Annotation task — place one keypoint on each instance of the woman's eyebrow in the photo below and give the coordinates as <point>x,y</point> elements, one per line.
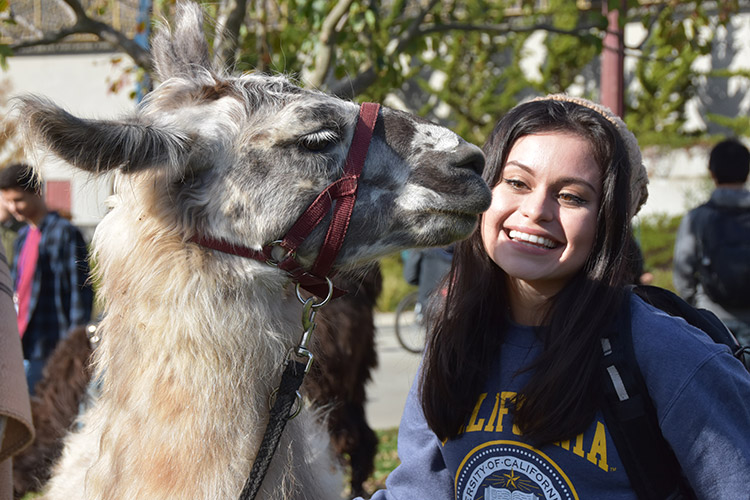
<point>563,180</point>
<point>577,180</point>
<point>519,165</point>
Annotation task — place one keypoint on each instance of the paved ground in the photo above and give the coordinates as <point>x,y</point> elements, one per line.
<point>392,379</point>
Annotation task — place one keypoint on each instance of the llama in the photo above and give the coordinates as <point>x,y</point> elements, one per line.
<point>344,357</point>
<point>194,339</point>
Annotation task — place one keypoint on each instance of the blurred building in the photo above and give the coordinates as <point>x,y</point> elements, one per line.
<point>82,74</point>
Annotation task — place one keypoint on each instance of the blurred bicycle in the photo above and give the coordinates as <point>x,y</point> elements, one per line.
<point>424,268</point>
<point>410,329</point>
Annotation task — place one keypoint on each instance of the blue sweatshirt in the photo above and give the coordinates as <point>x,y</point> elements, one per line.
<point>700,392</point>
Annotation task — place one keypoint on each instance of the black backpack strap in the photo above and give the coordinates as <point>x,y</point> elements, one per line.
<point>726,208</point>
<point>649,462</point>
<point>702,319</point>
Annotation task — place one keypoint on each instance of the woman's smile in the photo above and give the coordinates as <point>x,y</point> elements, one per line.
<point>531,240</point>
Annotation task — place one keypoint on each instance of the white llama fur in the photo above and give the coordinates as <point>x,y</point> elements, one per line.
<point>193,341</point>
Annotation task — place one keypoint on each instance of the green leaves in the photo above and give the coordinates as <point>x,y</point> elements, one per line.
<point>5,50</point>
<point>466,63</point>
<point>5,53</point>
<point>665,75</point>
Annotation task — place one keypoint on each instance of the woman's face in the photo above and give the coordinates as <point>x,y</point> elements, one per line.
<point>541,224</point>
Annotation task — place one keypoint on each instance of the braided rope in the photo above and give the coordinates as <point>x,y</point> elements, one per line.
<point>291,380</point>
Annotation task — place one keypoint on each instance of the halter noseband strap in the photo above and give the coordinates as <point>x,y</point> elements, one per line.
<point>344,191</point>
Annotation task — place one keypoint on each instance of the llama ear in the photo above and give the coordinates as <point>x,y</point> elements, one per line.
<point>99,146</point>
<point>184,51</point>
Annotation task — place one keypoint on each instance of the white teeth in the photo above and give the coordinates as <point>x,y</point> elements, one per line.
<point>531,238</point>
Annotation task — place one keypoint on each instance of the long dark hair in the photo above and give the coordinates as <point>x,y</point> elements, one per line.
<point>561,397</point>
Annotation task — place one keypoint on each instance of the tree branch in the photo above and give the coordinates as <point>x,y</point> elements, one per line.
<point>505,28</point>
<point>228,23</point>
<point>327,41</point>
<point>413,31</point>
<point>350,87</point>
<point>86,25</point>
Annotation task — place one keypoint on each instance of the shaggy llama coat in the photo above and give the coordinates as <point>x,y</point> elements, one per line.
<point>336,384</point>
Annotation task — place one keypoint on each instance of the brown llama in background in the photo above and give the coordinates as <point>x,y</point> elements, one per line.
<point>54,406</point>
<point>345,358</point>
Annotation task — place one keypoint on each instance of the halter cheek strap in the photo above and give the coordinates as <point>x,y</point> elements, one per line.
<point>343,191</point>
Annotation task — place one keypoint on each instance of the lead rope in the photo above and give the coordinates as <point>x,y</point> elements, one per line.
<point>286,395</point>
<point>344,193</point>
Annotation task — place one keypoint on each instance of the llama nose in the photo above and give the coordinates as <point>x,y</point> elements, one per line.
<point>471,157</point>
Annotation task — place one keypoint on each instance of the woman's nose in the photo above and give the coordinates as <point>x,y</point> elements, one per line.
<point>537,205</point>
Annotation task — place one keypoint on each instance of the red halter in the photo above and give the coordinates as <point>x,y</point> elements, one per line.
<point>344,190</point>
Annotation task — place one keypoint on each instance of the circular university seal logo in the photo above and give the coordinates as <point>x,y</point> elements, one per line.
<point>507,470</point>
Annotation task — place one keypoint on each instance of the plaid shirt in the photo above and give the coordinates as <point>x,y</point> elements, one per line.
<point>61,296</point>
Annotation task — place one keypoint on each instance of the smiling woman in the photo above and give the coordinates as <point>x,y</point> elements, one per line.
<point>541,225</point>
<point>507,402</point>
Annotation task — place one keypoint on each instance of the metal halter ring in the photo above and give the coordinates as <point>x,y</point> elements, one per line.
<point>303,352</point>
<point>295,410</point>
<point>289,253</point>
<point>322,302</point>
<point>92,334</point>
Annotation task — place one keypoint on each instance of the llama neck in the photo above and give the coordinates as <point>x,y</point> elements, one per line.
<point>191,316</point>
<point>192,345</point>
<point>188,327</point>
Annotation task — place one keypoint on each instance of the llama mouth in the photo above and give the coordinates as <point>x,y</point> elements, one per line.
<point>531,239</point>
<point>454,213</point>
<point>459,219</point>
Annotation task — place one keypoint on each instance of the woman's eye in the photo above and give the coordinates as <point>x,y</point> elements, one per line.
<point>319,140</point>
<point>571,199</point>
<point>514,183</point>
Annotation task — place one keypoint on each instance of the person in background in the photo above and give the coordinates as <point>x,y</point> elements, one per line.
<point>16,429</point>
<point>426,268</point>
<point>507,399</point>
<point>711,267</point>
<point>50,270</point>
<point>9,228</point>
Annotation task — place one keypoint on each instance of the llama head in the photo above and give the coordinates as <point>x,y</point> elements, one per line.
<point>239,158</point>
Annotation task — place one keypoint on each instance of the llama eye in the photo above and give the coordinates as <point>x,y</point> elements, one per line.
<point>319,140</point>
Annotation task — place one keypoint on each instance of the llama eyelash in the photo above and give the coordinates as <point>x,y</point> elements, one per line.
<point>318,140</point>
